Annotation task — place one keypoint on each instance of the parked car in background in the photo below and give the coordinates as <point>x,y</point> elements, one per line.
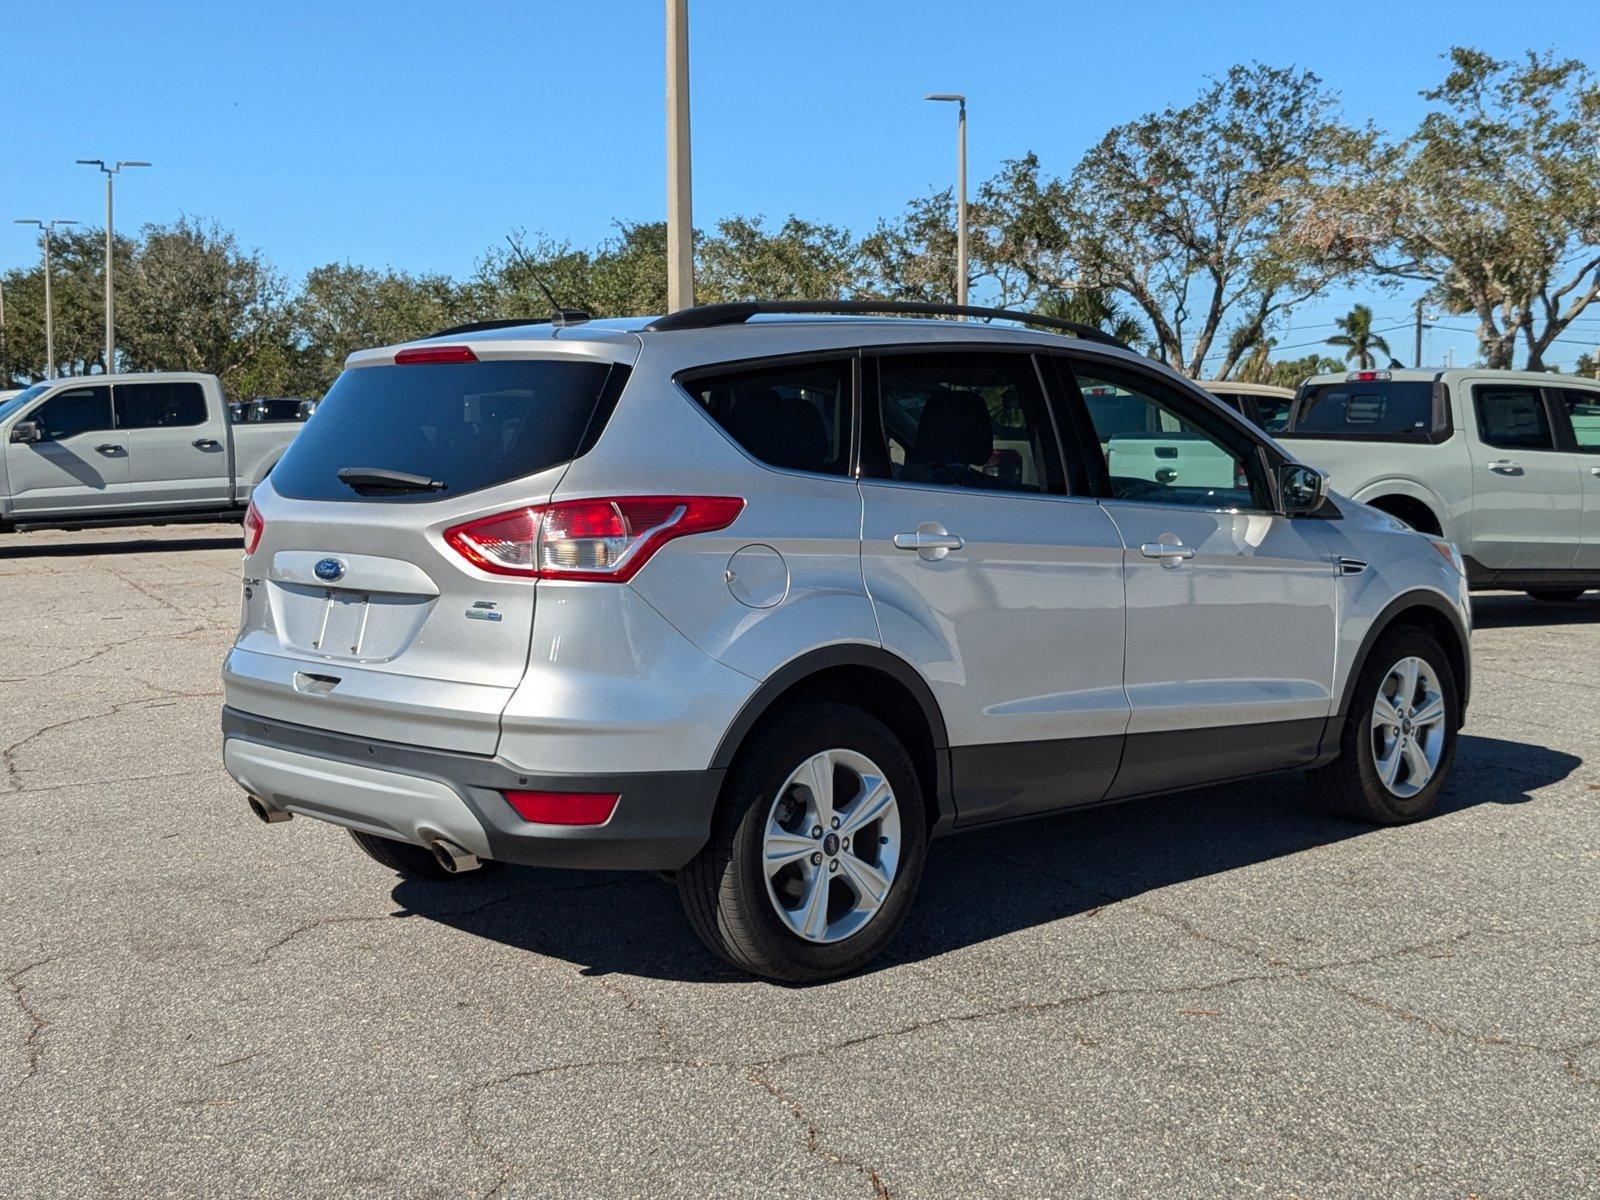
<point>130,449</point>
<point>769,603</point>
<point>1261,404</point>
<point>1505,464</point>
<point>10,392</point>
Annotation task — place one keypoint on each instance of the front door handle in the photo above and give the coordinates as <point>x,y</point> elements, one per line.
<point>109,448</point>
<point>932,541</point>
<point>1504,466</point>
<point>1170,553</point>
<point>205,443</point>
<point>1594,470</point>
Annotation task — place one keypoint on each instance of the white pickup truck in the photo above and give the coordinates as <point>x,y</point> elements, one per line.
<point>1505,464</point>
<point>132,449</point>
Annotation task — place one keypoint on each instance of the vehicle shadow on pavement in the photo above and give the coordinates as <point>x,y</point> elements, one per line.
<point>20,547</point>
<point>1524,612</point>
<point>978,886</point>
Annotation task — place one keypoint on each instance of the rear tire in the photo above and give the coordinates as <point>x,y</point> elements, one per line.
<point>1397,741</point>
<point>804,920</point>
<point>412,862</point>
<point>1555,595</point>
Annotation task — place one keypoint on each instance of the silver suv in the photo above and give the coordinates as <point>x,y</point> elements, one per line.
<point>769,603</point>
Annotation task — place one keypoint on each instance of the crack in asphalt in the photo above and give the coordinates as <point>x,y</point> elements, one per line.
<point>814,1142</point>
<point>32,1048</point>
<point>13,772</point>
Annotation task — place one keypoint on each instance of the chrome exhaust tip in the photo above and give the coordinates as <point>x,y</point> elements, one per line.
<point>453,858</point>
<point>265,813</point>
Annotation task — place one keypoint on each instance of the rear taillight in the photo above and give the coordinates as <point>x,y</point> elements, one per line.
<point>253,525</point>
<point>604,540</point>
<point>563,808</point>
<point>434,354</point>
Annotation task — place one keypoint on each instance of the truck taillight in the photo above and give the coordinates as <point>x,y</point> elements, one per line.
<point>253,525</point>
<point>605,540</point>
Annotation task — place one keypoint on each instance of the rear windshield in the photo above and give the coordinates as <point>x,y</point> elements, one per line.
<point>465,425</point>
<point>1400,408</point>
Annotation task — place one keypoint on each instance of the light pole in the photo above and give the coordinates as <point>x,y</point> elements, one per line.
<point>961,188</point>
<point>49,316</point>
<point>111,323</point>
<point>680,217</point>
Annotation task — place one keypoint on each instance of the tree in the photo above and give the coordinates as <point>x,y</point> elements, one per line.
<point>1495,199</point>
<point>1259,367</point>
<point>1219,210</point>
<point>195,301</point>
<point>77,264</point>
<point>1356,337</point>
<point>801,261</point>
<point>343,308</point>
<point>914,256</point>
<point>1089,306</point>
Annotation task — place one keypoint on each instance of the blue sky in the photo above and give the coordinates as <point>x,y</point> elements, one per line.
<point>416,135</point>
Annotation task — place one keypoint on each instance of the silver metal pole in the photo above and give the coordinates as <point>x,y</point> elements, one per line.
<point>961,206</point>
<point>680,216</point>
<point>49,313</point>
<point>1416,360</point>
<point>111,322</point>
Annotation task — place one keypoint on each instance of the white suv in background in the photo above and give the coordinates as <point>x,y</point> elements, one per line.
<point>770,603</point>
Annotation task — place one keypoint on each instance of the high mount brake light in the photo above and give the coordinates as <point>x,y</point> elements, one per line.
<point>434,354</point>
<point>604,540</point>
<point>253,527</point>
<point>1367,377</point>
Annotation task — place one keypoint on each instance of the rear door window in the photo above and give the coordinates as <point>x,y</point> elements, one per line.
<point>1583,410</point>
<point>159,405</point>
<point>795,415</point>
<point>80,410</point>
<point>1512,418</point>
<point>465,425</point>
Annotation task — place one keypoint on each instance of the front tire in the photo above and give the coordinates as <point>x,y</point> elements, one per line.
<point>1555,595</point>
<point>816,848</point>
<point>1399,737</point>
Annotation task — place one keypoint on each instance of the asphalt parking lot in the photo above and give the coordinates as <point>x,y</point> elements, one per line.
<point>1218,993</point>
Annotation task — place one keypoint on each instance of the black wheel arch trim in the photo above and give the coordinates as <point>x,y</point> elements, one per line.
<point>852,654</point>
<point>1385,620</point>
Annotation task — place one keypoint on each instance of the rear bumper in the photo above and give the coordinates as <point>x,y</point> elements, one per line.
<point>661,820</point>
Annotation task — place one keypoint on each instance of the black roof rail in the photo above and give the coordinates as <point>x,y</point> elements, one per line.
<point>562,316</point>
<point>737,312</point>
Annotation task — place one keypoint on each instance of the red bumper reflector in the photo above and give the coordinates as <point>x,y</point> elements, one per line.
<point>563,808</point>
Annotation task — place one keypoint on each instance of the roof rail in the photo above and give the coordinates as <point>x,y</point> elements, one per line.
<point>738,312</point>
<point>561,317</point>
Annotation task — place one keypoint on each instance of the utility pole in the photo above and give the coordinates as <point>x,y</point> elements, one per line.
<point>111,321</point>
<point>1416,360</point>
<point>961,188</point>
<point>680,211</point>
<point>49,306</point>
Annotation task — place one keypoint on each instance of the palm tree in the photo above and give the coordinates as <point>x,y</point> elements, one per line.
<point>1357,338</point>
<point>1093,306</point>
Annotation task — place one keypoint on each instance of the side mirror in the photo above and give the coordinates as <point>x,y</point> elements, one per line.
<point>27,431</point>
<point>1302,489</point>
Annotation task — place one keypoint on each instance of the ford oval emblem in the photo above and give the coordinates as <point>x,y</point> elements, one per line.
<point>329,570</point>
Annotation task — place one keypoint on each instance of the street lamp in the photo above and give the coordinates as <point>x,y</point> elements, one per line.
<point>680,216</point>
<point>111,327</point>
<point>961,188</point>
<point>49,316</point>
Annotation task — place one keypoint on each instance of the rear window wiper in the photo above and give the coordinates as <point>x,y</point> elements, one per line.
<point>381,479</point>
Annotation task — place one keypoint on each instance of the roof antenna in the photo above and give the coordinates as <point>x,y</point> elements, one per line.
<point>558,315</point>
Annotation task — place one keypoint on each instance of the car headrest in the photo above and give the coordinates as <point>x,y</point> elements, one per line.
<point>785,431</point>
<point>954,428</point>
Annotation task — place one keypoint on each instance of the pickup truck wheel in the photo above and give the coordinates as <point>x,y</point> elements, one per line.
<point>1555,595</point>
<point>816,849</point>
<point>413,862</point>
<point>1399,737</point>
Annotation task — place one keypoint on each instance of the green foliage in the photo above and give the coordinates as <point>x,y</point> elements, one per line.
<point>1495,198</point>
<point>1356,338</point>
<point>1091,306</point>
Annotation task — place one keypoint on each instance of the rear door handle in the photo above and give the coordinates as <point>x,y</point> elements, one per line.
<point>1504,466</point>
<point>1594,470</point>
<point>1170,553</point>
<point>109,448</point>
<point>205,443</point>
<point>931,541</point>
